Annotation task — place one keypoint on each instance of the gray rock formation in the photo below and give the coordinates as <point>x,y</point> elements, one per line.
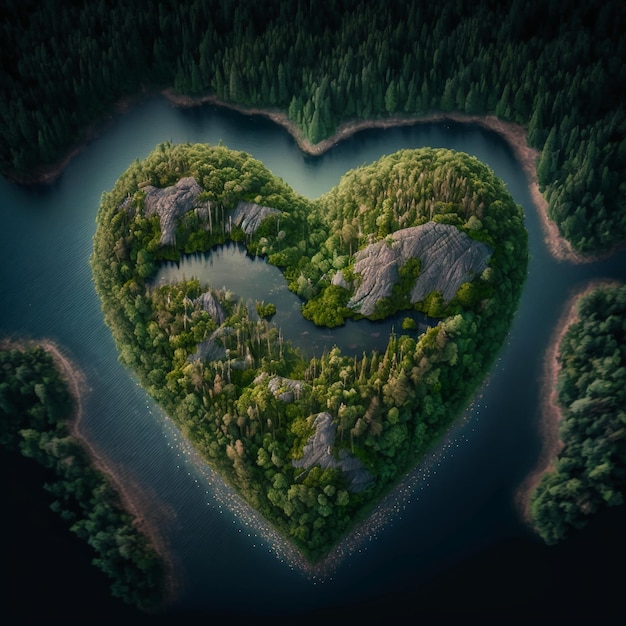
<point>170,203</point>
<point>448,257</point>
<point>203,211</point>
<point>212,349</point>
<point>249,216</point>
<point>340,281</point>
<point>284,389</point>
<point>127,205</point>
<point>209,303</point>
<point>318,451</point>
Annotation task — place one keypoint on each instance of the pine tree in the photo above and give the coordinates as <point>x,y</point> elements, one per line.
<point>547,164</point>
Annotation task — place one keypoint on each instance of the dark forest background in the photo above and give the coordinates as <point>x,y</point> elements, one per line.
<point>555,67</point>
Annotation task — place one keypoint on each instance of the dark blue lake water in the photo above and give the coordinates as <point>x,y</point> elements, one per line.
<point>454,541</point>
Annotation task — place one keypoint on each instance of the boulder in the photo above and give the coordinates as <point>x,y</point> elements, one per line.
<point>170,203</point>
<point>284,389</point>
<point>249,216</point>
<point>340,281</point>
<point>318,451</point>
<point>209,303</point>
<point>212,349</point>
<point>449,258</point>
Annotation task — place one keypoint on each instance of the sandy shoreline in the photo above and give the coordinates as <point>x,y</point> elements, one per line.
<point>129,496</point>
<point>550,412</point>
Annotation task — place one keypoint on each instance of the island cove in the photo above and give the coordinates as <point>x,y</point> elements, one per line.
<point>312,443</point>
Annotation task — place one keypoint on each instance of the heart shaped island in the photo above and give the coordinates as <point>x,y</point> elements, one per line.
<point>312,443</point>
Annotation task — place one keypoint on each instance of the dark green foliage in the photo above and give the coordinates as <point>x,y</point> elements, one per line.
<point>388,408</point>
<point>554,67</point>
<point>590,471</point>
<point>31,394</point>
<point>34,407</point>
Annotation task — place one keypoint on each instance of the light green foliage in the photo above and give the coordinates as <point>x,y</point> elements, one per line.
<point>249,406</point>
<point>265,310</point>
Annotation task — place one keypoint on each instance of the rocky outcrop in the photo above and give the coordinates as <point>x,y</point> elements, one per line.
<point>340,281</point>
<point>128,206</point>
<point>318,451</point>
<point>209,303</point>
<point>170,203</point>
<point>284,389</point>
<point>448,258</point>
<point>249,216</point>
<point>212,349</point>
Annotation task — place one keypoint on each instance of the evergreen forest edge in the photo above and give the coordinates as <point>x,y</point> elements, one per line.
<point>589,473</point>
<point>553,67</point>
<point>35,406</point>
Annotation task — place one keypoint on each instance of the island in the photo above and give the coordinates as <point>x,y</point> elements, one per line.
<point>38,406</point>
<point>587,470</point>
<point>311,443</point>
<point>549,72</point>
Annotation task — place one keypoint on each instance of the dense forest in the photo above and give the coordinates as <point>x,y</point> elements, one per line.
<point>590,471</point>
<point>554,67</point>
<point>34,408</point>
<point>250,402</point>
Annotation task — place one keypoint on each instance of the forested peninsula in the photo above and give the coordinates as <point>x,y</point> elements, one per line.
<point>553,67</point>
<point>36,407</point>
<point>311,443</point>
<point>589,473</point>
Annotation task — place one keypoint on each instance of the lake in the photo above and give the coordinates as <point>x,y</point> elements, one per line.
<point>453,535</point>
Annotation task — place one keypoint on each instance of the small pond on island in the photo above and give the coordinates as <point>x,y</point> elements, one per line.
<point>253,280</point>
<point>453,530</point>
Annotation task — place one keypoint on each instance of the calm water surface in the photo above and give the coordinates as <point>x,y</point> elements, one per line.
<point>459,511</point>
<point>253,280</point>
